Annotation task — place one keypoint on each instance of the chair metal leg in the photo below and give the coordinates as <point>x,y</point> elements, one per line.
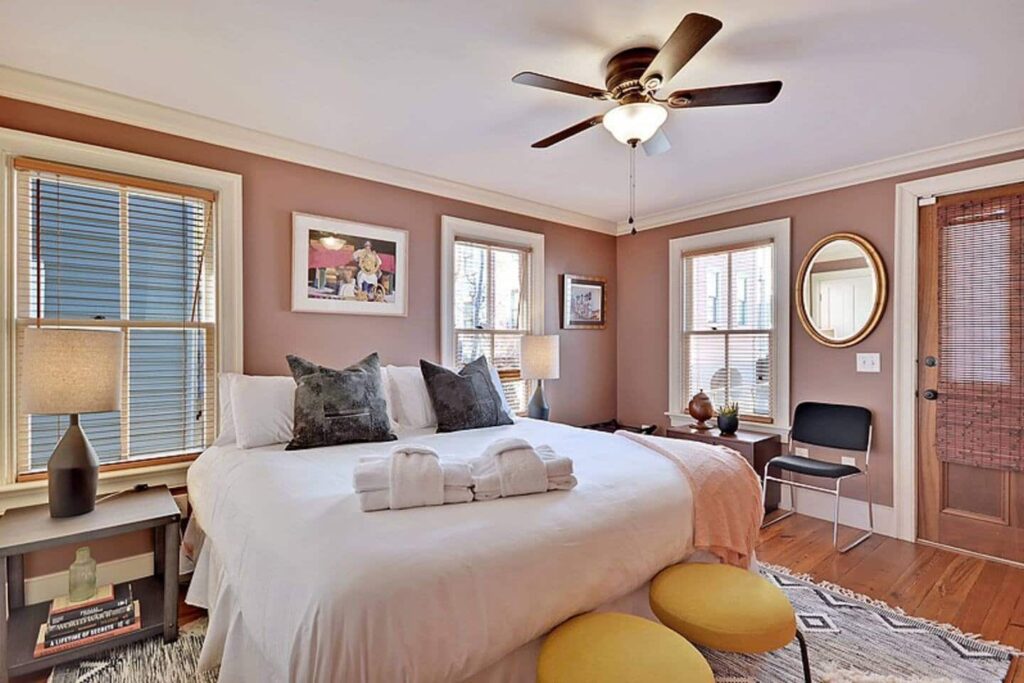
<point>871,520</point>
<point>804,657</point>
<point>764,494</point>
<point>835,516</point>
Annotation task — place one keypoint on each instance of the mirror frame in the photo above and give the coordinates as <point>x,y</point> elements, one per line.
<point>881,290</point>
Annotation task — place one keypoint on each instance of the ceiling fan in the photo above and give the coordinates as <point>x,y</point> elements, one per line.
<point>632,80</point>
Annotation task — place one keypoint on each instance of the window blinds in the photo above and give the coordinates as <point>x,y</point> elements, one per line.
<point>980,406</point>
<point>492,310</point>
<point>728,335</point>
<point>104,251</point>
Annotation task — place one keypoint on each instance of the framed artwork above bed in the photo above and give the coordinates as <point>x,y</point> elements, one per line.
<point>584,302</point>
<point>341,266</point>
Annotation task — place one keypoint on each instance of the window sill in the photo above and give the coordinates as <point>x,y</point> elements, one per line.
<point>26,493</point>
<point>684,419</point>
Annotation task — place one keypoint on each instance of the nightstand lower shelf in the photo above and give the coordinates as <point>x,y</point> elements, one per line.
<point>24,623</point>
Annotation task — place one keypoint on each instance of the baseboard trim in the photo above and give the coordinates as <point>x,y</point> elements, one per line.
<point>49,586</point>
<point>852,512</point>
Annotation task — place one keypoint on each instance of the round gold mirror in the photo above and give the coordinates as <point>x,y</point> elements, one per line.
<point>841,290</point>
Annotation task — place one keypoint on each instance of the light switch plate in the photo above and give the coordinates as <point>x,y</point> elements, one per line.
<point>869,362</point>
<point>849,460</point>
<point>802,452</point>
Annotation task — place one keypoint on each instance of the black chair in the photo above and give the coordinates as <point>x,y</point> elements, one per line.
<point>830,426</point>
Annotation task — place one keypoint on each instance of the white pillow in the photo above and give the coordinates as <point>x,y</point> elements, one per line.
<point>501,390</point>
<point>226,432</point>
<point>385,383</point>
<point>263,409</point>
<point>412,407</point>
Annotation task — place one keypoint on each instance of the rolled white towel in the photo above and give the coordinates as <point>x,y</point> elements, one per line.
<point>371,501</point>
<point>416,478</point>
<point>373,473</point>
<point>563,483</point>
<point>519,469</point>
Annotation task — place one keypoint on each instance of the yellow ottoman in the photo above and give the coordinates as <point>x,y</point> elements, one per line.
<point>725,608</point>
<point>606,647</point>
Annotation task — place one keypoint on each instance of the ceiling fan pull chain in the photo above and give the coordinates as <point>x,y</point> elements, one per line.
<point>632,187</point>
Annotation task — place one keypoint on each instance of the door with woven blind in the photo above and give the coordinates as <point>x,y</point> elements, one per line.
<point>971,372</point>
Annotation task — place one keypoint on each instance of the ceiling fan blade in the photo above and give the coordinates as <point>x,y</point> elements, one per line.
<point>693,33</point>
<point>723,95</point>
<point>552,83</point>
<point>657,144</point>
<point>568,132</point>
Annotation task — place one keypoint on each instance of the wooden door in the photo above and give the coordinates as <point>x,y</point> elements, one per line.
<point>971,372</point>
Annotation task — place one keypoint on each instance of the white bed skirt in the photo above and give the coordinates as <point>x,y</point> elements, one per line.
<point>229,645</point>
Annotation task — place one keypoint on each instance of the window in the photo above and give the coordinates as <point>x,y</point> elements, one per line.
<point>492,291</point>
<point>730,321</point>
<point>103,251</point>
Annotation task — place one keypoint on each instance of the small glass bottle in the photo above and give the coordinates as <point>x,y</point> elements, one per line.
<point>82,576</point>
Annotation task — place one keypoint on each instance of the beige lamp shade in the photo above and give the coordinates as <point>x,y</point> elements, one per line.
<point>539,357</point>
<point>69,371</point>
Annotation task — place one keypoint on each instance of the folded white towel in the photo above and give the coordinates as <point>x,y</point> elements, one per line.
<point>416,477</point>
<point>371,501</point>
<point>564,483</point>
<point>518,468</point>
<point>373,473</point>
<point>556,465</point>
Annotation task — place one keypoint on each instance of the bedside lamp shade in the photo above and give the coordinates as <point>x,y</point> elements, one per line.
<point>68,371</point>
<point>539,357</point>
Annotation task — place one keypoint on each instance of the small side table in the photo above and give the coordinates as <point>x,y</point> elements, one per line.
<point>26,530</point>
<point>756,447</point>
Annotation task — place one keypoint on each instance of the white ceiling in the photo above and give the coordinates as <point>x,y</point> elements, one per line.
<point>425,84</point>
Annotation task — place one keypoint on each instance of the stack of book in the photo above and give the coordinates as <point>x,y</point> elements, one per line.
<point>112,612</point>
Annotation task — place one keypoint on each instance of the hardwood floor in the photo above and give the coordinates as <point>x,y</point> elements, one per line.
<point>977,596</point>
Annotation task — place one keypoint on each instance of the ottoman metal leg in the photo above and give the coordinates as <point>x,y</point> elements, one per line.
<point>803,656</point>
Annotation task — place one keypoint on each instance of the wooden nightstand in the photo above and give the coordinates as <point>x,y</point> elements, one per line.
<point>756,447</point>
<point>26,530</point>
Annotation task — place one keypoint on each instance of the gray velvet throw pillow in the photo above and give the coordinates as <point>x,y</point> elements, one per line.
<point>338,406</point>
<point>464,400</point>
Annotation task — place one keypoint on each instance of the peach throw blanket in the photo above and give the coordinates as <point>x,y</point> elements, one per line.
<point>727,506</point>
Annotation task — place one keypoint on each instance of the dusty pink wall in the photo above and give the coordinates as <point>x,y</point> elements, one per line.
<point>817,372</point>
<point>272,189</point>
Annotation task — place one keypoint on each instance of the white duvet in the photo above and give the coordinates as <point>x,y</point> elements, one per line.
<point>316,590</point>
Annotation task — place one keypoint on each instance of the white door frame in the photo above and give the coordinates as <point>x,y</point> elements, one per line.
<point>908,198</point>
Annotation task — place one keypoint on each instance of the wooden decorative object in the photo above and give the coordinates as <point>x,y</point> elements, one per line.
<point>701,409</point>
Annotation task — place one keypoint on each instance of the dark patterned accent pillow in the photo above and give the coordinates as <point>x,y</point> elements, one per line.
<point>467,399</point>
<point>338,406</point>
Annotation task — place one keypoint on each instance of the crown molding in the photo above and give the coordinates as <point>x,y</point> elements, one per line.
<point>975,148</point>
<point>84,99</point>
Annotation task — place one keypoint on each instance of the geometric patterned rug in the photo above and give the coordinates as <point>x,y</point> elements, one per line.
<point>851,638</point>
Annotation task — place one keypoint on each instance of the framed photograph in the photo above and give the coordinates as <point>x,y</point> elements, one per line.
<point>342,266</point>
<point>583,302</point>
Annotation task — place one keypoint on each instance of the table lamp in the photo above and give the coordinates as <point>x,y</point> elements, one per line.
<point>69,372</point>
<point>539,361</point>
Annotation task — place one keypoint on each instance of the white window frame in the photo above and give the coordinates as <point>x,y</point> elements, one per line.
<point>228,219</point>
<point>453,228</point>
<point>778,231</point>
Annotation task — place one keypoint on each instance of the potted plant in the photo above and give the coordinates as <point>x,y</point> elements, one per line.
<point>729,418</point>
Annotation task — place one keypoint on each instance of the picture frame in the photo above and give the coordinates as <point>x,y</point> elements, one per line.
<point>584,302</point>
<point>347,267</point>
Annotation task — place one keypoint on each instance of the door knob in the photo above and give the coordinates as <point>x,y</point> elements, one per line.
<point>930,394</point>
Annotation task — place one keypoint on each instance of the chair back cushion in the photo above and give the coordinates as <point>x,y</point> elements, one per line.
<point>832,425</point>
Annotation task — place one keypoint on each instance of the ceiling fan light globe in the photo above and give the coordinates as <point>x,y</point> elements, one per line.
<point>638,121</point>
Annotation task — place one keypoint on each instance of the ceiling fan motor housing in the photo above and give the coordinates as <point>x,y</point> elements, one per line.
<point>622,75</point>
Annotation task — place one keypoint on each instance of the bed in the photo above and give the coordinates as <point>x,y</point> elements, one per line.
<point>303,586</point>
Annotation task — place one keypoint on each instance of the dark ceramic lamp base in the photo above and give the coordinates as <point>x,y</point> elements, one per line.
<point>538,408</point>
<point>73,474</point>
